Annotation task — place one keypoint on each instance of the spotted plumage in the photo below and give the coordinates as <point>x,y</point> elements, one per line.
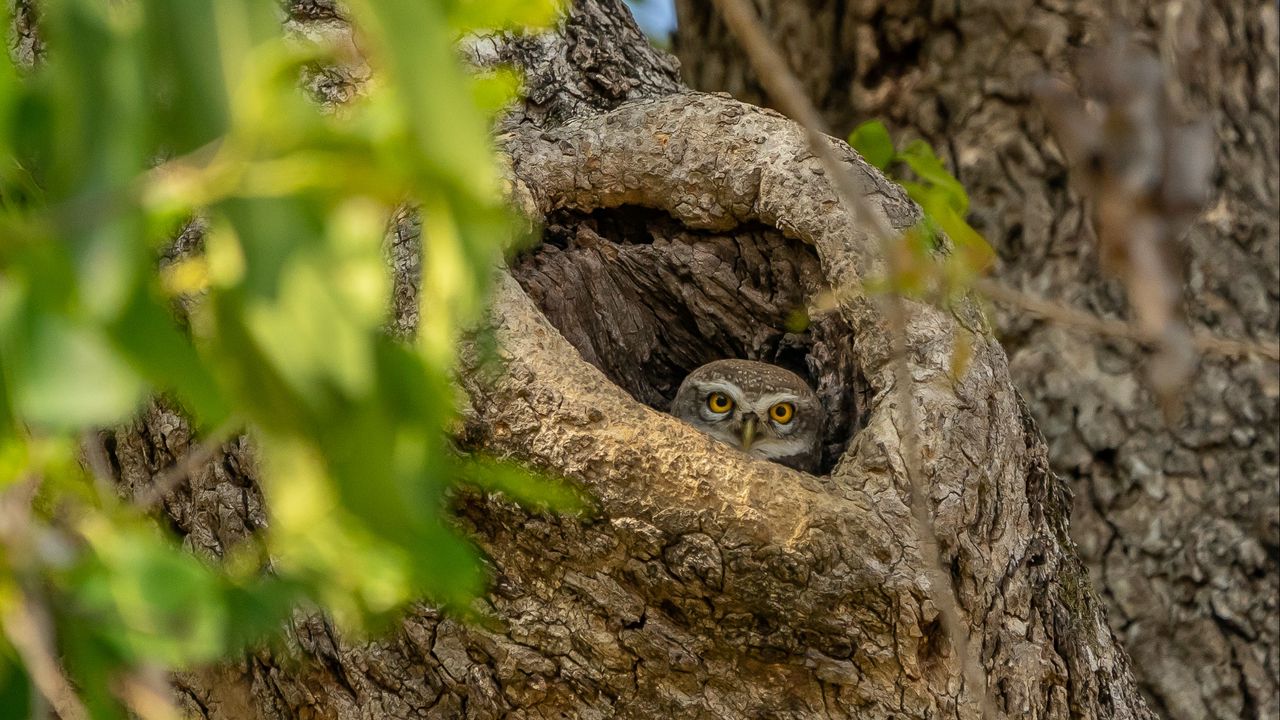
<point>764,410</point>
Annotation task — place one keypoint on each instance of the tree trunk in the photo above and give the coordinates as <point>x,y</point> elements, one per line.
<point>1179,525</point>
<point>683,227</point>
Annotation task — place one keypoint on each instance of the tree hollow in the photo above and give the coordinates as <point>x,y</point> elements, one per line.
<point>647,300</point>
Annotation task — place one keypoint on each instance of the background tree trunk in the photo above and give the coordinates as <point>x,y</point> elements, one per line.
<point>1180,525</point>
<point>682,227</point>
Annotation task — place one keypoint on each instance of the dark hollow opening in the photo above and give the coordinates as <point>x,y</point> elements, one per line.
<point>647,300</point>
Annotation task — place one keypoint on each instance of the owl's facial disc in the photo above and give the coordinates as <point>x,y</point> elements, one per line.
<point>760,426</point>
<point>763,410</point>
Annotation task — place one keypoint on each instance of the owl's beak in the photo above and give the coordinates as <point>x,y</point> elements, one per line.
<point>749,427</point>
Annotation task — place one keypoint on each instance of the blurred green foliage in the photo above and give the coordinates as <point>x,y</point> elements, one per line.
<point>142,114</point>
<point>945,204</point>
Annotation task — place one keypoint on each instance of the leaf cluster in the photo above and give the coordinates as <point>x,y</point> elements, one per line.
<point>944,202</point>
<point>145,114</point>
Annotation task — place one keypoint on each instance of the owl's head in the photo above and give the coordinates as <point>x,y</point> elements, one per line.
<point>762,409</point>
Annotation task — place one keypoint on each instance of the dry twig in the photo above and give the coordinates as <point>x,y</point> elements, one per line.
<point>147,693</point>
<point>1070,317</point>
<point>786,90</point>
<point>27,626</point>
<point>167,480</point>
<point>26,621</point>
<point>1148,176</point>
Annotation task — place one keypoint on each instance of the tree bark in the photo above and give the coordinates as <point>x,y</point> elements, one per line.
<point>682,227</point>
<point>1179,525</point>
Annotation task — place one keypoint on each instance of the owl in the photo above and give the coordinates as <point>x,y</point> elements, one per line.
<point>761,409</point>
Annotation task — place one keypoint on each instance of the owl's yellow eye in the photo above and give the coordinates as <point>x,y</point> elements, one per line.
<point>718,402</point>
<point>782,413</point>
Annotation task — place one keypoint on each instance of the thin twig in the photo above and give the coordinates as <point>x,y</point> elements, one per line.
<point>147,692</point>
<point>27,628</point>
<point>167,480</point>
<point>1067,316</point>
<point>787,92</point>
<point>25,621</point>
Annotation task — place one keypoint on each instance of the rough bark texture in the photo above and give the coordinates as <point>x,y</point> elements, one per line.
<point>710,585</point>
<point>647,301</point>
<point>1179,525</point>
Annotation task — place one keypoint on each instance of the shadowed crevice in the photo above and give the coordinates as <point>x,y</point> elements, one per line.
<point>647,300</point>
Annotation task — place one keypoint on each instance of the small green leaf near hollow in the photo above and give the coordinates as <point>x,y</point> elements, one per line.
<point>938,208</point>
<point>798,320</point>
<point>925,164</point>
<point>871,140</point>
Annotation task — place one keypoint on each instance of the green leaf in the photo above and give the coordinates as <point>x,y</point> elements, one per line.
<point>798,320</point>
<point>271,232</point>
<point>938,208</point>
<point>310,338</point>
<point>493,91</point>
<point>165,603</point>
<point>365,456</point>
<point>91,662</point>
<point>470,15</point>
<point>257,609</point>
<point>925,164</point>
<point>411,392</point>
<point>286,307</point>
<point>12,308</point>
<point>69,376</point>
<point>12,94</point>
<point>95,70</point>
<point>530,489</point>
<point>257,389</point>
<point>871,140</point>
<point>449,137</point>
<point>452,564</point>
<point>8,427</point>
<point>185,69</point>
<point>146,335</point>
